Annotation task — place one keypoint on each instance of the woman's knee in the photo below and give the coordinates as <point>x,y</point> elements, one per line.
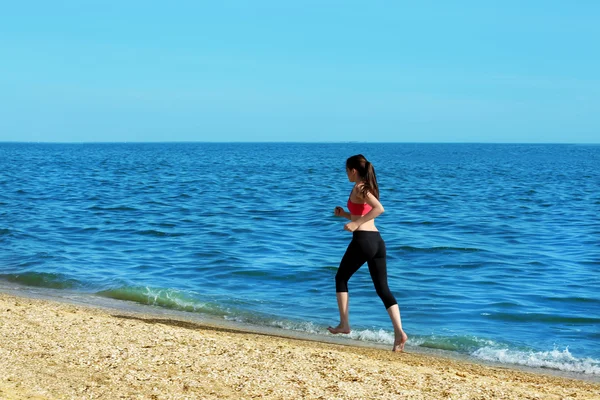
<point>384,293</point>
<point>341,282</point>
<point>388,299</point>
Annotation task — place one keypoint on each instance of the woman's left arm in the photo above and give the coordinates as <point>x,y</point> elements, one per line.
<point>376,211</point>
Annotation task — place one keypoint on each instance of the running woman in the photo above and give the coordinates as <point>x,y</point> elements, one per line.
<point>366,246</point>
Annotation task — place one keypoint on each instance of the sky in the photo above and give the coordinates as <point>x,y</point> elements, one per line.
<point>300,71</point>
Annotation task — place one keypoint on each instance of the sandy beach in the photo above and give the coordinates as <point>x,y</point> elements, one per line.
<point>53,350</point>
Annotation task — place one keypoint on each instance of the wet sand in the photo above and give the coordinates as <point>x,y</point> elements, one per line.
<point>52,350</point>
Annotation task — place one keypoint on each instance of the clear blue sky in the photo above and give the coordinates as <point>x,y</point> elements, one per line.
<point>394,71</point>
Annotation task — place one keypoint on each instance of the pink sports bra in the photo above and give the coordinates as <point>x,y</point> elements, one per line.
<point>358,208</point>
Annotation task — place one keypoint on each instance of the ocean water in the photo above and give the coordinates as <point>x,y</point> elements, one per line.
<point>493,250</point>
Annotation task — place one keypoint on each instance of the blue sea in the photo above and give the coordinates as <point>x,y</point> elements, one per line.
<point>493,249</point>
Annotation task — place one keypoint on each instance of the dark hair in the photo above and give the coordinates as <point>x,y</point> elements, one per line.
<point>367,174</point>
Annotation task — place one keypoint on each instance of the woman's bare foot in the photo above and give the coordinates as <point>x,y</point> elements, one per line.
<point>399,341</point>
<point>339,329</point>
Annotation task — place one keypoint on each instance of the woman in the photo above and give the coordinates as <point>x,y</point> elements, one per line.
<point>366,246</point>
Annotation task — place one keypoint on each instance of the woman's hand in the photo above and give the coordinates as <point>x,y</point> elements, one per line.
<point>339,211</point>
<point>351,226</point>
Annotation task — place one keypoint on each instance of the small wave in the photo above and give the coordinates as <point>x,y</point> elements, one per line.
<point>555,359</point>
<point>545,318</point>
<point>42,279</point>
<point>250,273</point>
<point>298,326</point>
<point>118,208</point>
<point>436,249</point>
<point>574,300</point>
<point>167,298</point>
<point>4,232</point>
<point>591,263</point>
<point>152,232</point>
<point>504,304</point>
<point>463,266</point>
<point>416,223</point>
<point>241,230</point>
<point>462,344</point>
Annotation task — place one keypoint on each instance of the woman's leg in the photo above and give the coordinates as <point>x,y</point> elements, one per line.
<point>400,336</point>
<point>378,271</point>
<point>344,326</point>
<point>353,259</point>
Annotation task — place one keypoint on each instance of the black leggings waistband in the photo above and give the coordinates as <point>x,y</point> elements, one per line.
<point>365,234</point>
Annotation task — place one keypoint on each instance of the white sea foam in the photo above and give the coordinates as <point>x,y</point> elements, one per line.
<point>555,359</point>
<point>306,326</point>
<point>379,336</point>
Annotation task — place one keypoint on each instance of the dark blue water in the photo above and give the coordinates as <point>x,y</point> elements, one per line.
<point>493,250</point>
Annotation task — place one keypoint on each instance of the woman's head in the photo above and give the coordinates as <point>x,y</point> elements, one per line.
<point>363,170</point>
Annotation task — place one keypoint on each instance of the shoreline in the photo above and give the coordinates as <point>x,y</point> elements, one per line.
<point>149,311</point>
<point>54,349</point>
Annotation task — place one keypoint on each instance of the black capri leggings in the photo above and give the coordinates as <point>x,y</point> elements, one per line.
<point>369,247</point>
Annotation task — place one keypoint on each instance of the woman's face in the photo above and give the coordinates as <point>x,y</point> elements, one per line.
<point>351,174</point>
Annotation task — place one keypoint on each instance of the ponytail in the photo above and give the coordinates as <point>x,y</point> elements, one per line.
<point>366,171</point>
<point>370,180</point>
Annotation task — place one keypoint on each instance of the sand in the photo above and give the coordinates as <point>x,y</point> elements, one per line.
<point>53,350</point>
